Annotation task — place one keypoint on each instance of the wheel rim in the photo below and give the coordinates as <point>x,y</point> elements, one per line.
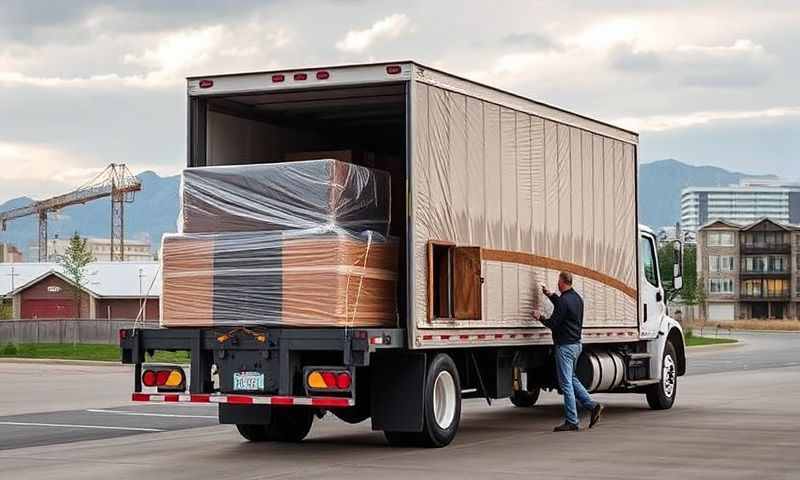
<point>444,399</point>
<point>668,376</point>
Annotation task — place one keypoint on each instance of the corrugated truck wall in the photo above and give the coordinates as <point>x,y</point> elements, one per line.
<point>536,195</point>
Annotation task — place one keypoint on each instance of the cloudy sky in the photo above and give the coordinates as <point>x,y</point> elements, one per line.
<point>84,83</point>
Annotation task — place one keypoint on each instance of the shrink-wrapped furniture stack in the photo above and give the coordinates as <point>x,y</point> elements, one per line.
<point>290,244</point>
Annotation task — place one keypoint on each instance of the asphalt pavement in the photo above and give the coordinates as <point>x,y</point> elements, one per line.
<point>755,351</point>
<point>735,417</point>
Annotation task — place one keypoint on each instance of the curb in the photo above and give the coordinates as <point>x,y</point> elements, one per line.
<point>737,343</point>
<point>60,361</point>
<point>768,331</point>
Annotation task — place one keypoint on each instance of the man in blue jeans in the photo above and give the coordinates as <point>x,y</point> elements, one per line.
<point>566,323</point>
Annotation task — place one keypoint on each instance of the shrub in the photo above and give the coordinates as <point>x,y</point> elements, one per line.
<point>10,350</point>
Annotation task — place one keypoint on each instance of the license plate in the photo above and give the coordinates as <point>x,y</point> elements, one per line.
<point>248,381</point>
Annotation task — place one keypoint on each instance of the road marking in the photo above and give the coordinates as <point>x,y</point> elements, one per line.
<point>146,414</point>
<point>65,425</point>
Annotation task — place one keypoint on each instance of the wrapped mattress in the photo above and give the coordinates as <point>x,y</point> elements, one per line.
<point>283,196</point>
<point>324,276</point>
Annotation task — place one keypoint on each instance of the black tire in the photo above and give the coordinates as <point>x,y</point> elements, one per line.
<point>289,424</point>
<point>353,415</point>
<point>433,434</point>
<point>402,439</point>
<point>254,433</point>
<point>525,398</point>
<point>661,395</point>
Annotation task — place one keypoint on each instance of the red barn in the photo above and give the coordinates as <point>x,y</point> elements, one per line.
<point>113,290</point>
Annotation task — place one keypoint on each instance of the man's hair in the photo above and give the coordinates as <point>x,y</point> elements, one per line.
<point>565,277</point>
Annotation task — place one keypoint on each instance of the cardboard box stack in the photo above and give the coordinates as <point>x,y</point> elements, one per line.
<point>290,244</point>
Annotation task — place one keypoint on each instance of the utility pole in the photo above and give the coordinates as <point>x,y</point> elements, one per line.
<point>141,299</point>
<point>43,235</point>
<point>12,275</point>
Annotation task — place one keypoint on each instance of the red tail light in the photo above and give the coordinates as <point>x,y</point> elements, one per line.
<point>323,75</point>
<point>343,381</point>
<point>161,377</point>
<point>330,379</point>
<point>327,378</point>
<point>300,76</point>
<point>393,69</point>
<point>149,378</point>
<point>278,78</point>
<point>167,378</point>
<point>206,83</point>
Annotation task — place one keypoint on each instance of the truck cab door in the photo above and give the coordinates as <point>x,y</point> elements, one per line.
<point>652,303</point>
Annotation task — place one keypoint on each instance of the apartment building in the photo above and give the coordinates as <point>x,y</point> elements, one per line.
<point>744,203</point>
<point>749,271</point>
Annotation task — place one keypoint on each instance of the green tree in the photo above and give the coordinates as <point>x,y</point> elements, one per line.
<point>700,295</point>
<point>689,292</point>
<point>74,261</point>
<point>6,310</point>
<point>666,255</point>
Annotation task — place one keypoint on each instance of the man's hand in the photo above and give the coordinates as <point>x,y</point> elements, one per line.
<point>537,315</point>
<point>545,290</point>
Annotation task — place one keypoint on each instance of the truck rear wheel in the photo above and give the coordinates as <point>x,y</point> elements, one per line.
<point>288,424</point>
<point>525,398</point>
<point>442,407</point>
<point>661,395</point>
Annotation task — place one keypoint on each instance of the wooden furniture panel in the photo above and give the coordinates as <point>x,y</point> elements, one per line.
<point>187,296</point>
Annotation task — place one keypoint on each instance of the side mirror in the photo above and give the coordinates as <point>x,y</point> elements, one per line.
<point>677,267</point>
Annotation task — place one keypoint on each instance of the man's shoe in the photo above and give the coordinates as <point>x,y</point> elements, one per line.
<point>596,412</point>
<point>566,427</point>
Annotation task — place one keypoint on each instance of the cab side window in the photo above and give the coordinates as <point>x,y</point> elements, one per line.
<point>649,261</point>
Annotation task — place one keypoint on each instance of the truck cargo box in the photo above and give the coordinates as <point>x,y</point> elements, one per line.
<point>498,192</point>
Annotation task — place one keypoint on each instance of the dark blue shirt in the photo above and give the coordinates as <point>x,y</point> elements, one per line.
<point>566,321</point>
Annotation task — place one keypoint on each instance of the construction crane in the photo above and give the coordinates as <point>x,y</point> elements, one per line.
<point>115,181</point>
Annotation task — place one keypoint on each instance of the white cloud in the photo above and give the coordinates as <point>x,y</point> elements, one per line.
<point>660,123</point>
<point>739,46</point>
<point>178,50</point>
<point>606,34</point>
<point>167,58</point>
<point>357,41</point>
<point>41,171</point>
<point>19,79</point>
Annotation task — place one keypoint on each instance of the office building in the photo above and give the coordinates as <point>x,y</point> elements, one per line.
<point>743,204</point>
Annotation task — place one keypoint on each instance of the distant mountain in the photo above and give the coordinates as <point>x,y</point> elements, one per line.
<point>661,182</point>
<point>153,212</point>
<point>155,209</point>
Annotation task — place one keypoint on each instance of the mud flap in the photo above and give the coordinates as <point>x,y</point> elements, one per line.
<point>397,386</point>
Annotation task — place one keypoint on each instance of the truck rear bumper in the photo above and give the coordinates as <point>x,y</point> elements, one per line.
<point>238,399</point>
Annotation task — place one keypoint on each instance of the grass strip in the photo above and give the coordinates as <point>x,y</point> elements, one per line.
<point>82,351</point>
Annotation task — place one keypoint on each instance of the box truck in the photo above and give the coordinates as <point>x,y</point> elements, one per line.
<point>466,199</point>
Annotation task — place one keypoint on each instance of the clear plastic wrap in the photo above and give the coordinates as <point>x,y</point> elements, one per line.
<point>283,196</point>
<point>325,276</point>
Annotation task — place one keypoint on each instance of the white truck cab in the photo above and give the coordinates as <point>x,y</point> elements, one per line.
<point>664,335</point>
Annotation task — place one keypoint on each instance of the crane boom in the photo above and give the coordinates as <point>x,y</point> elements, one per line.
<point>115,181</point>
